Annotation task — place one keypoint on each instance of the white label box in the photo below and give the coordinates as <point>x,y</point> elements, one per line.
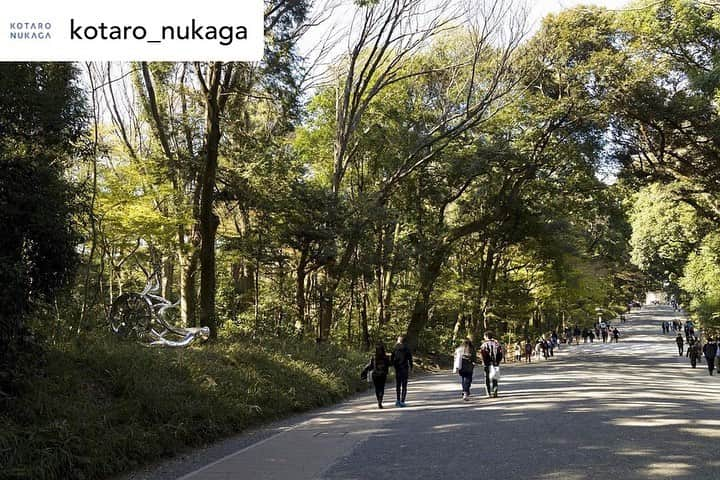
<point>131,30</point>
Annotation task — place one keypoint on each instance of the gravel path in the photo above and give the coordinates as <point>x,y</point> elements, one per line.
<point>632,410</point>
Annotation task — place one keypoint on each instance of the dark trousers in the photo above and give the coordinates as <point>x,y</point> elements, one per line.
<point>711,364</point>
<point>379,382</point>
<point>490,385</point>
<point>466,380</point>
<point>680,349</point>
<point>401,382</point>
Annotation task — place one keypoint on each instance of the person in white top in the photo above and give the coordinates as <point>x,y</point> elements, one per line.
<point>464,364</point>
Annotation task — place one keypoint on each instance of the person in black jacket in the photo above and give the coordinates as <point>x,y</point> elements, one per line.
<point>680,343</point>
<point>710,351</point>
<point>379,365</point>
<point>401,360</point>
<point>694,353</point>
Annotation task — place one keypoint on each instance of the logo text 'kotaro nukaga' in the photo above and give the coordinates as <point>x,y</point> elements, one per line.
<point>224,35</point>
<point>39,30</point>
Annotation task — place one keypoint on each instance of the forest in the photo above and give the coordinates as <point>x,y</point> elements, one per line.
<point>430,169</point>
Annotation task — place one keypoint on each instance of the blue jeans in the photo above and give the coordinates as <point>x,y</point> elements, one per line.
<point>466,380</point>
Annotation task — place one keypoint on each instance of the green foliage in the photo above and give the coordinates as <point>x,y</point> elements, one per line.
<point>101,407</point>
<point>42,121</point>
<point>665,231</point>
<point>701,280</point>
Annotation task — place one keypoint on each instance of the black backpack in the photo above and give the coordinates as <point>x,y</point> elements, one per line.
<point>400,359</point>
<point>466,365</point>
<point>381,367</point>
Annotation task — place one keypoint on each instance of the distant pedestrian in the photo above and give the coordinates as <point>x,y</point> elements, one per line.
<point>528,350</point>
<point>379,365</point>
<point>592,336</point>
<point>615,335</point>
<point>542,345</point>
<point>604,334</point>
<point>680,343</point>
<point>710,351</point>
<point>401,360</point>
<point>492,354</point>
<point>464,365</point>
<point>694,353</point>
<point>518,351</point>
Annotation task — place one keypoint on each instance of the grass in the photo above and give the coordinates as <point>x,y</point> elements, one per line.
<point>103,407</point>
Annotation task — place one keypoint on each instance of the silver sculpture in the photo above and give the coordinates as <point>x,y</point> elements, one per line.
<point>143,317</point>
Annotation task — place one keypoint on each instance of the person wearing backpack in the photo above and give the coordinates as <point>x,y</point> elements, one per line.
<point>401,360</point>
<point>710,351</point>
<point>379,365</point>
<point>492,354</point>
<point>464,364</point>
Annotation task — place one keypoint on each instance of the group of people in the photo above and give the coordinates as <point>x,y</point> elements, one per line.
<point>491,354</point>
<point>465,359</point>
<point>542,346</point>
<point>677,326</point>
<point>378,368</point>
<point>697,350</point>
<point>600,330</point>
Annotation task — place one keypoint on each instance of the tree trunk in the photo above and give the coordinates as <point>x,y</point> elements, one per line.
<point>327,298</point>
<point>209,222</point>
<point>429,274</point>
<point>168,278</point>
<point>363,314</point>
<point>300,275</point>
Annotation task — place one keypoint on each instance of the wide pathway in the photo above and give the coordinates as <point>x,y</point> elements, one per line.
<point>635,410</point>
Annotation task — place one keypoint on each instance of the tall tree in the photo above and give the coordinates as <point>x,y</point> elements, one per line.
<point>42,123</point>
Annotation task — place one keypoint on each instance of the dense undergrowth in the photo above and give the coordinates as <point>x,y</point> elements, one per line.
<point>93,409</point>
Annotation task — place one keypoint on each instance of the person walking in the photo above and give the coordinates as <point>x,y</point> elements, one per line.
<point>710,352</point>
<point>528,350</point>
<point>379,365</point>
<point>401,360</point>
<point>694,353</point>
<point>518,351</point>
<point>615,335</point>
<point>492,354</point>
<point>680,343</point>
<point>542,345</point>
<point>465,358</point>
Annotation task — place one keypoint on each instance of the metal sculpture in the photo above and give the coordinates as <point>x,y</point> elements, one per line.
<point>143,317</point>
